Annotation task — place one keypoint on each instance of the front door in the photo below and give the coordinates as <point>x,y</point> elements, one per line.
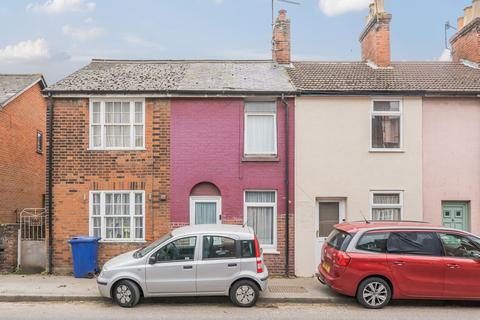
<point>174,269</point>
<point>205,210</point>
<point>455,215</point>
<point>329,213</point>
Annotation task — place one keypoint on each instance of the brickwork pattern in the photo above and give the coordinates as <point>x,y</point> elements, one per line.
<point>8,247</point>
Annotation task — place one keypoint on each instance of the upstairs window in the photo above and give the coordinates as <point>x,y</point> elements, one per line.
<point>386,125</point>
<point>117,124</point>
<point>387,205</point>
<point>260,129</point>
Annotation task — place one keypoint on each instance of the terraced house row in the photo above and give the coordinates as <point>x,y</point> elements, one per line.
<point>137,148</point>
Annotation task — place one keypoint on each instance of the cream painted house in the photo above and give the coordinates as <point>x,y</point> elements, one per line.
<point>359,137</point>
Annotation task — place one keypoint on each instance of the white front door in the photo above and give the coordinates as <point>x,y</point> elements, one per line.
<point>328,213</point>
<point>205,209</point>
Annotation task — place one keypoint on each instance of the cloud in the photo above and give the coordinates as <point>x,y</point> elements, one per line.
<point>446,55</point>
<point>138,41</point>
<point>337,7</point>
<point>29,50</point>
<point>83,34</point>
<point>61,6</point>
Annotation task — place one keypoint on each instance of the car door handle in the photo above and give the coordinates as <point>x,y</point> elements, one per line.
<point>187,267</point>
<point>399,263</point>
<point>453,266</point>
<point>231,265</point>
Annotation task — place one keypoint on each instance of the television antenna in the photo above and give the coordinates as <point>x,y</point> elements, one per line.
<point>273,8</point>
<point>448,26</point>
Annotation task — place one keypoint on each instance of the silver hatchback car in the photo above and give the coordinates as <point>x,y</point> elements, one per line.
<point>201,260</point>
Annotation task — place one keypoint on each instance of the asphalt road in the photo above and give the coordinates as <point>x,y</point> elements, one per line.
<point>200,309</point>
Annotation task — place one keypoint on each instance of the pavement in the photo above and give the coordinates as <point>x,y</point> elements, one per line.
<point>31,288</point>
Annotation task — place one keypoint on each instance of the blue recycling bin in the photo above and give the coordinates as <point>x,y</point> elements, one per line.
<point>84,254</point>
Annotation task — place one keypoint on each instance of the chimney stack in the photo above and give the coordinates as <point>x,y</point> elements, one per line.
<point>375,39</point>
<point>281,52</point>
<point>466,42</point>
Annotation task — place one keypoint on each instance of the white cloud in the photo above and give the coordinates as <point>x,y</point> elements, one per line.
<point>83,34</point>
<point>337,7</point>
<point>29,50</point>
<point>446,55</point>
<point>61,6</point>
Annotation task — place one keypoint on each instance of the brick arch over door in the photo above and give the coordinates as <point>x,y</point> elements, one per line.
<point>205,189</point>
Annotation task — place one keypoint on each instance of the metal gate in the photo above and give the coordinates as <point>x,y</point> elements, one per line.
<point>32,249</point>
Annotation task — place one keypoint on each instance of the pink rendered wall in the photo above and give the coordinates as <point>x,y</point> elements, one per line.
<point>207,146</point>
<point>451,156</point>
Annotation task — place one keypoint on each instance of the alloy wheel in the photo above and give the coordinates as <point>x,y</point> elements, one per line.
<point>375,294</point>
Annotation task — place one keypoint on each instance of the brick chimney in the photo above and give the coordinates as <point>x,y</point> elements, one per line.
<point>281,39</point>
<point>375,39</point>
<point>466,42</point>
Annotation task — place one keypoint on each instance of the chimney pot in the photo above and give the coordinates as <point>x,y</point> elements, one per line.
<point>380,6</point>
<point>467,15</point>
<point>475,9</point>
<point>282,14</point>
<point>460,23</point>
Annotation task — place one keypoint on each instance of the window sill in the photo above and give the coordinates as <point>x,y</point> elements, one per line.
<point>117,150</point>
<point>260,159</point>
<point>386,151</point>
<point>121,241</point>
<point>271,251</point>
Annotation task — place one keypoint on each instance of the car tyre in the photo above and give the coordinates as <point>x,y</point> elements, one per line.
<point>244,293</point>
<point>126,293</point>
<point>374,293</point>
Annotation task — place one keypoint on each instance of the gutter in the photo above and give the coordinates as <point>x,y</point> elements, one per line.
<point>50,181</point>
<point>287,185</point>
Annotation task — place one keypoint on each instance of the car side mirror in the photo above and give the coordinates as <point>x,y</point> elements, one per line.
<point>152,259</point>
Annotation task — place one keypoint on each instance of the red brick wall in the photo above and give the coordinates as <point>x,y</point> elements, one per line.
<point>281,39</point>
<point>22,169</point>
<point>376,42</point>
<point>466,43</point>
<point>78,171</point>
<point>8,247</point>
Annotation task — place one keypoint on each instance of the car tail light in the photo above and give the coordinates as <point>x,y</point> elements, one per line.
<point>341,258</point>
<point>258,255</point>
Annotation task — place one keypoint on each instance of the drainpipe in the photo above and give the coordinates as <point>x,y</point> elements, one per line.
<point>50,181</point>
<point>287,185</point>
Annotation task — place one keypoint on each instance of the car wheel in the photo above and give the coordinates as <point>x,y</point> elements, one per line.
<point>374,293</point>
<point>244,293</point>
<point>126,293</point>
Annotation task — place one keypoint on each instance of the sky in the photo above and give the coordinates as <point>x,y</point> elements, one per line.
<point>57,37</point>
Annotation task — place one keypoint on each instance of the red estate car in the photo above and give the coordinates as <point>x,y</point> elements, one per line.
<point>379,261</point>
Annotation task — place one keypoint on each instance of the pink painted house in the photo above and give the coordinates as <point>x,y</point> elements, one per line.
<point>451,137</point>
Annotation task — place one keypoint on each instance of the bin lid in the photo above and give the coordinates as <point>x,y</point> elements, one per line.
<point>84,239</point>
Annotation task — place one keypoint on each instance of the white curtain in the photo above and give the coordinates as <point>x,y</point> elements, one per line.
<point>260,197</point>
<point>386,198</point>
<point>205,213</point>
<point>386,214</point>
<point>260,134</point>
<point>261,220</point>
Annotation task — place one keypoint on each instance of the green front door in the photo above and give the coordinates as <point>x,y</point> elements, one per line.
<point>456,215</point>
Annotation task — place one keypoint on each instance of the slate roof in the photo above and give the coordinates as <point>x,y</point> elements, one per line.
<point>176,76</point>
<point>402,77</point>
<point>12,85</point>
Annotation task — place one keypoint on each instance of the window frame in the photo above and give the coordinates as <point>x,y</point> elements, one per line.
<point>235,242</point>
<point>386,113</point>
<point>155,251</point>
<point>246,114</point>
<point>103,216</point>
<point>386,206</point>
<point>39,142</point>
<point>102,123</point>
<point>434,232</point>
<point>195,199</point>
<point>267,248</point>
<point>458,234</point>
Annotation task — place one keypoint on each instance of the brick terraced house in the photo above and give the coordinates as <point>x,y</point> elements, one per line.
<point>22,156</point>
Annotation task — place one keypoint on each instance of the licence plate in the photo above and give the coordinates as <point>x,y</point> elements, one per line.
<point>326,267</point>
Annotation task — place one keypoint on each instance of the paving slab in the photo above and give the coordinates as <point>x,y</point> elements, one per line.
<point>65,288</point>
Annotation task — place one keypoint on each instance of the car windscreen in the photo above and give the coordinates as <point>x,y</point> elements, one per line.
<point>339,239</point>
<point>145,250</point>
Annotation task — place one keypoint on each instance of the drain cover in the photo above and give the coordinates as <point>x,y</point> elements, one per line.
<point>287,289</point>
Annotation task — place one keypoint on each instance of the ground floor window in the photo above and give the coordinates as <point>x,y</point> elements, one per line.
<point>205,209</point>
<point>386,205</point>
<point>117,215</point>
<point>261,214</point>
